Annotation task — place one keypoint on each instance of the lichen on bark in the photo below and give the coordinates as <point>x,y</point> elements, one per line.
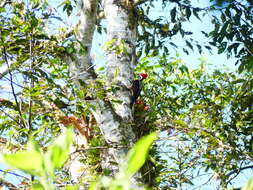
<point>114,119</point>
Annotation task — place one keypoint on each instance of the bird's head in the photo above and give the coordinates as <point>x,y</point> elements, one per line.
<point>143,76</point>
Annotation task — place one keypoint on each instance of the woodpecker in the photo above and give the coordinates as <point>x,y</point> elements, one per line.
<point>136,88</point>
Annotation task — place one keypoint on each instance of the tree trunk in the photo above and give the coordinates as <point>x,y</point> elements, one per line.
<point>121,34</point>
<point>82,71</point>
<point>114,119</point>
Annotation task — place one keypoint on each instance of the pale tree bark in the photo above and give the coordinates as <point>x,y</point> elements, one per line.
<point>120,63</point>
<point>121,32</point>
<point>82,71</point>
<point>81,65</point>
<point>114,119</point>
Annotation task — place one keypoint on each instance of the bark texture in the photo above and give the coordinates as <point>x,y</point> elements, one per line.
<point>120,63</point>
<point>114,119</point>
<point>81,67</point>
<point>121,34</point>
<point>82,71</point>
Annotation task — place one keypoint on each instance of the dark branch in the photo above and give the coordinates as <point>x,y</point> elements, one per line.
<point>139,2</point>
<point>237,171</point>
<point>4,3</point>
<point>12,81</point>
<point>12,87</point>
<point>12,173</point>
<point>8,115</point>
<point>97,148</point>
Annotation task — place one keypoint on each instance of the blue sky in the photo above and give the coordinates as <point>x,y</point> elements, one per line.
<point>196,26</point>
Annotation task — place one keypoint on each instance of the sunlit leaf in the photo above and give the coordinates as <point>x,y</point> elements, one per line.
<point>58,152</point>
<point>249,185</point>
<point>138,154</point>
<point>30,161</point>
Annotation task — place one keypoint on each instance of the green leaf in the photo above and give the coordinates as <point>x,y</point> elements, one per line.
<point>72,187</point>
<point>195,12</point>
<point>59,151</point>
<point>30,161</point>
<point>2,9</point>
<point>234,47</point>
<point>249,185</point>
<point>227,12</point>
<point>37,186</point>
<point>185,50</point>
<point>173,15</point>
<point>174,45</point>
<point>188,12</point>
<point>238,81</point>
<point>93,186</point>
<point>138,154</point>
<point>223,17</point>
<point>183,69</point>
<point>199,48</point>
<point>189,44</point>
<point>224,28</point>
<point>180,123</point>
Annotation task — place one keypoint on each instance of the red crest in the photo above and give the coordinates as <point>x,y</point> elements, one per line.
<point>143,76</point>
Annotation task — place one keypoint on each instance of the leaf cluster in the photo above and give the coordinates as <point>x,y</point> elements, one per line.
<point>206,118</point>
<point>42,165</point>
<point>232,32</point>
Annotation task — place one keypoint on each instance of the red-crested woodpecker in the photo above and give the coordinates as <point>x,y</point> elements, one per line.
<point>136,88</point>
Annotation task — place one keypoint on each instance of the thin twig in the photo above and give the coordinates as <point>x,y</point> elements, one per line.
<point>237,171</point>
<point>209,179</point>
<point>12,87</point>
<point>97,147</point>
<point>8,115</point>
<point>14,82</point>
<point>7,185</point>
<point>30,87</point>
<point>12,173</point>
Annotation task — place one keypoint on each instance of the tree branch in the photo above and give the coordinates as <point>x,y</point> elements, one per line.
<point>31,85</point>
<point>12,87</point>
<point>4,72</point>
<point>7,184</point>
<point>237,171</point>
<point>81,67</point>
<point>12,173</point>
<point>8,115</point>
<point>4,3</point>
<point>139,2</point>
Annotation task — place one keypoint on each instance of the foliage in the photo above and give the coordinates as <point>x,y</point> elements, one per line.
<point>233,31</point>
<point>248,185</point>
<point>134,161</point>
<point>42,165</point>
<point>31,57</point>
<point>155,32</point>
<point>205,117</point>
